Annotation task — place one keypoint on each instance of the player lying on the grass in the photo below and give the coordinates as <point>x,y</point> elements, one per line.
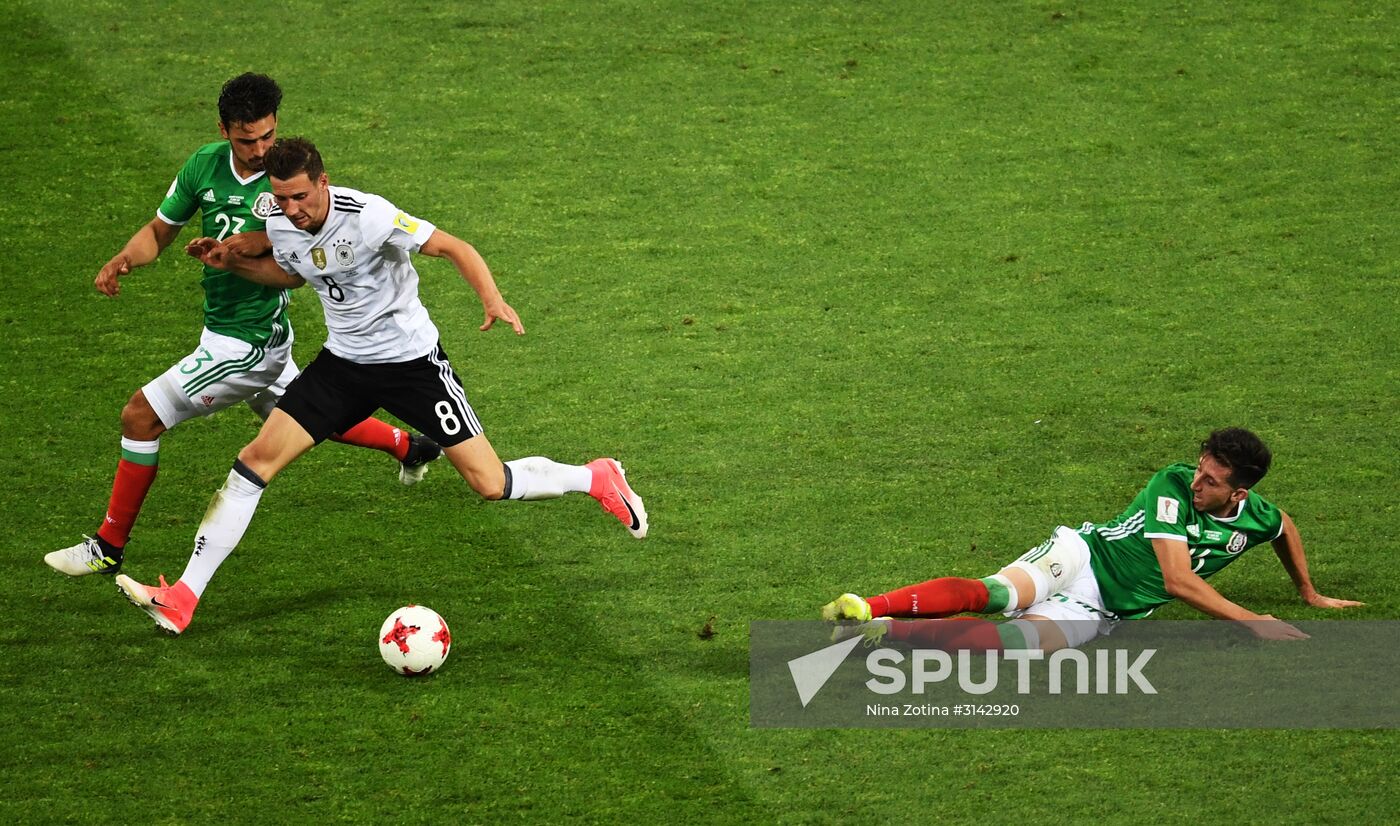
<point>245,351</point>
<point>381,350</point>
<point>1184,527</point>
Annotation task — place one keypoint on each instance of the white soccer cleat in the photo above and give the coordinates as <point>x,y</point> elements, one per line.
<point>86,557</point>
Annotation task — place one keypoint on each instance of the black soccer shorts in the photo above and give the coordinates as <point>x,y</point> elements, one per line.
<point>333,395</point>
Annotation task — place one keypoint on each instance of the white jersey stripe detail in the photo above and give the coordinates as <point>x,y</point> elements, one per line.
<point>1132,526</point>
<point>162,216</point>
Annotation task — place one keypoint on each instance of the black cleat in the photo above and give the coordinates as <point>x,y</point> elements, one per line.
<point>421,451</point>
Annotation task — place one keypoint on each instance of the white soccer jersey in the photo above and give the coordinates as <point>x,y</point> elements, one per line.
<point>358,263</point>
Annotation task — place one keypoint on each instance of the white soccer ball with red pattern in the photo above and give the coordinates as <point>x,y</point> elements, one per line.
<point>414,640</point>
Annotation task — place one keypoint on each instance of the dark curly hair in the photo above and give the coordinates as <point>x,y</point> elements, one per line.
<point>247,98</point>
<point>290,157</point>
<point>1242,452</point>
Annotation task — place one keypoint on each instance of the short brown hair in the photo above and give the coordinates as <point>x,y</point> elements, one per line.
<point>290,157</point>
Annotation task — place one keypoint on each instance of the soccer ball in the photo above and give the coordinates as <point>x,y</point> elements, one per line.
<point>414,640</point>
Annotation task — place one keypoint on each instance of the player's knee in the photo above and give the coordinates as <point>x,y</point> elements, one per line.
<point>488,485</point>
<point>139,419</point>
<point>260,458</point>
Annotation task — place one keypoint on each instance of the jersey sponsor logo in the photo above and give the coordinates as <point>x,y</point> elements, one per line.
<point>235,200</point>
<point>207,399</point>
<point>318,257</point>
<point>294,258</point>
<point>406,223</point>
<point>344,255</point>
<point>1167,509</point>
<point>1194,530</point>
<point>263,205</point>
<point>1237,541</point>
<point>208,196</point>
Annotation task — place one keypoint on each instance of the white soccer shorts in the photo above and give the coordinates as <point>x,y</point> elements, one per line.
<point>222,371</point>
<point>1065,588</point>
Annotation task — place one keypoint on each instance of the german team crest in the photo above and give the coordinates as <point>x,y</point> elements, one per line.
<point>264,205</point>
<point>344,255</point>
<point>318,257</point>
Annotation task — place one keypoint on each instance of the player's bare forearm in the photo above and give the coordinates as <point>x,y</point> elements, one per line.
<point>474,271</point>
<point>1289,548</point>
<point>142,248</point>
<point>261,270</point>
<point>1197,593</point>
<point>1184,584</point>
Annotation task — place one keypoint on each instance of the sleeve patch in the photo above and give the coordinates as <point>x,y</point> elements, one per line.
<point>406,223</point>
<point>1167,509</point>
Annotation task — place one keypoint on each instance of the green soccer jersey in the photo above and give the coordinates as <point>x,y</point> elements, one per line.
<point>1120,551</point>
<point>209,184</point>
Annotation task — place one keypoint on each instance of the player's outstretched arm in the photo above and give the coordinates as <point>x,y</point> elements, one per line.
<point>1186,585</point>
<point>143,248</point>
<point>1289,547</point>
<point>262,270</point>
<point>474,270</point>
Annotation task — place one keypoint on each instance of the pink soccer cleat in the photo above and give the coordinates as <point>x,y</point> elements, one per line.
<point>611,490</point>
<point>171,606</point>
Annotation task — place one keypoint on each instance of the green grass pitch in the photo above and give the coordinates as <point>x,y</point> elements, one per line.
<point>860,292</point>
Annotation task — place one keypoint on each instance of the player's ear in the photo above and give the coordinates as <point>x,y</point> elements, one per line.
<point>223,132</point>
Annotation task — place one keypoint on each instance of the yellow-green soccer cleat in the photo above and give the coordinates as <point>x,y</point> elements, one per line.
<point>847,607</point>
<point>86,557</point>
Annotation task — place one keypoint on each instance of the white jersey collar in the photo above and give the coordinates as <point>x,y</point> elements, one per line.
<point>232,167</point>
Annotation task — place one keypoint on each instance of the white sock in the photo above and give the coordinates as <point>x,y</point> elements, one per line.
<point>536,477</point>
<point>137,446</point>
<point>224,524</point>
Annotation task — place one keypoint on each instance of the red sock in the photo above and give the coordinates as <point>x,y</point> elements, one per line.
<point>373,433</point>
<point>957,634</point>
<point>941,597</point>
<point>128,492</point>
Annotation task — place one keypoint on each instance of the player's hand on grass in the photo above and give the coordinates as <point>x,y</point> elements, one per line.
<point>249,244</point>
<point>1319,601</point>
<point>1269,628</point>
<point>106,281</point>
<point>500,309</point>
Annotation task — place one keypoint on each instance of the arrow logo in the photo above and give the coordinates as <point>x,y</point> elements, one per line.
<point>811,671</point>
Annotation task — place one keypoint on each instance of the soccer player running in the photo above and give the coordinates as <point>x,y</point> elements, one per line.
<point>1184,527</point>
<point>381,350</point>
<point>245,351</point>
